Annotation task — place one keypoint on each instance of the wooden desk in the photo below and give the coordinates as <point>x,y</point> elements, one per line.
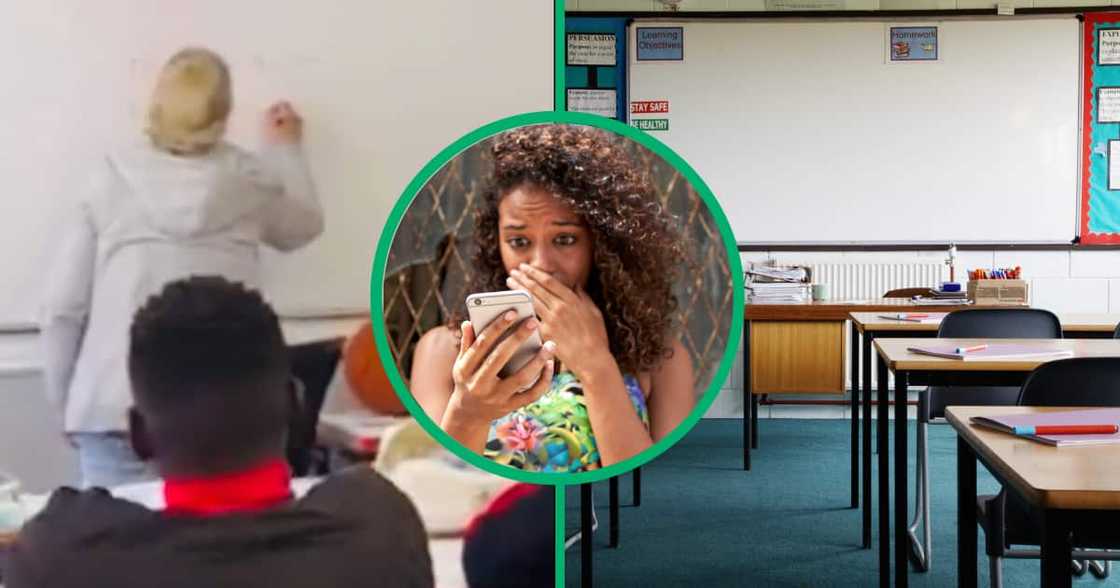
<point>1071,488</point>
<point>800,348</point>
<point>894,357</point>
<point>866,326</point>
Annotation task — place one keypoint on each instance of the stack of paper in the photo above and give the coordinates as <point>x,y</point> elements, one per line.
<point>777,274</point>
<point>778,292</point>
<point>766,283</point>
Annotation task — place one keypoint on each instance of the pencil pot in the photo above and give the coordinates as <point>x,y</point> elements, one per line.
<point>998,292</point>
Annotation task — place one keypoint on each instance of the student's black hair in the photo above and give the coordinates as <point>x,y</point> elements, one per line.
<point>210,376</point>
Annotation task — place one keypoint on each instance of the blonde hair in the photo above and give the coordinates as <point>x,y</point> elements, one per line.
<point>190,104</point>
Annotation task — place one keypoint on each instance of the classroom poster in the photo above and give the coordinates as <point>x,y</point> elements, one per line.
<point>1100,150</point>
<point>1108,46</point>
<point>1114,165</point>
<point>591,49</point>
<point>651,124</point>
<point>649,107</point>
<point>601,102</point>
<point>912,44</point>
<point>659,43</point>
<point>1108,105</point>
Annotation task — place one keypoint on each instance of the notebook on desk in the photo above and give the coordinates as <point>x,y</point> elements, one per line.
<point>991,351</point>
<point>919,301</point>
<point>914,317</point>
<point>1097,416</point>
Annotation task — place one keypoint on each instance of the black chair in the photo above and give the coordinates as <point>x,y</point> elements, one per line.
<point>998,323</point>
<point>313,364</point>
<point>1006,518</point>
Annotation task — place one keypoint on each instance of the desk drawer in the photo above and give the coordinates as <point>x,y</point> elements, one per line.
<point>797,356</point>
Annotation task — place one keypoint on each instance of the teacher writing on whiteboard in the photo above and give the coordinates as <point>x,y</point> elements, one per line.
<point>180,202</point>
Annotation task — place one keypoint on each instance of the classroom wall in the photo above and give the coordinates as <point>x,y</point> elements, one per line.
<point>759,5</point>
<point>383,87</point>
<point>1061,281</point>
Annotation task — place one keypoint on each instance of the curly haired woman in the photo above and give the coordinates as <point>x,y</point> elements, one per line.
<point>568,218</point>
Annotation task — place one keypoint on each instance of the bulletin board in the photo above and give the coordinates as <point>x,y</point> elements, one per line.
<point>1100,149</point>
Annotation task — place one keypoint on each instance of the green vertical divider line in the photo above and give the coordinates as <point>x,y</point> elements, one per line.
<point>560,57</point>
<point>560,497</point>
<point>558,70</point>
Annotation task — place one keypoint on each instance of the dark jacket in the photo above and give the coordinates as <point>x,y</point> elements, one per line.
<point>353,529</point>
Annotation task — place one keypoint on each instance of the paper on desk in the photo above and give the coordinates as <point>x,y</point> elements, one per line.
<point>446,490</point>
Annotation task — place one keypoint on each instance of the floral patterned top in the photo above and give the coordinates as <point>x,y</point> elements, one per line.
<point>554,433</point>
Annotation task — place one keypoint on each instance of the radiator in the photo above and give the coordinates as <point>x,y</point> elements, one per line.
<point>864,281</point>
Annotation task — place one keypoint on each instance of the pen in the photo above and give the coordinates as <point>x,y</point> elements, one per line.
<point>980,347</point>
<point>1067,430</point>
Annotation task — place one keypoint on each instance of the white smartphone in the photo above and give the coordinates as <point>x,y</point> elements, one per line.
<point>484,307</point>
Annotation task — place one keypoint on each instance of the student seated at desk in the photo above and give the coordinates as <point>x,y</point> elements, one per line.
<point>213,398</point>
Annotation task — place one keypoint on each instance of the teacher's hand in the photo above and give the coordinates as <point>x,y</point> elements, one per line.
<point>479,395</point>
<point>568,317</point>
<point>282,124</point>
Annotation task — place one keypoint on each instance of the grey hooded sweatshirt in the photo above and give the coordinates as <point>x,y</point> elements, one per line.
<point>148,218</point>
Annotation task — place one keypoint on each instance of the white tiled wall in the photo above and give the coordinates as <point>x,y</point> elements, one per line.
<point>1061,281</point>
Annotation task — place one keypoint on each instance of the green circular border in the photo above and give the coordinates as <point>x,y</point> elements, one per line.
<point>393,223</point>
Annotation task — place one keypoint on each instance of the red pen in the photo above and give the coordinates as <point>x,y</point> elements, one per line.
<point>980,347</point>
<point>1068,430</point>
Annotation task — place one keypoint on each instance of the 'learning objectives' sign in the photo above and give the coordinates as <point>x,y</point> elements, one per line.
<point>660,43</point>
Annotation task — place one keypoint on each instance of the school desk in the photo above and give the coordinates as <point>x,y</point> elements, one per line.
<point>798,347</point>
<point>907,366</point>
<point>1074,488</point>
<point>866,326</point>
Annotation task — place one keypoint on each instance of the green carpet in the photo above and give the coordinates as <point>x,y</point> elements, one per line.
<point>705,522</point>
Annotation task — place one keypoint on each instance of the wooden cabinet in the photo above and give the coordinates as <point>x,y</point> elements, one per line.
<point>797,357</point>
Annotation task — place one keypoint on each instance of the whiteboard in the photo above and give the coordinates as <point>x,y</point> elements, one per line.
<point>383,86</point>
<point>805,132</point>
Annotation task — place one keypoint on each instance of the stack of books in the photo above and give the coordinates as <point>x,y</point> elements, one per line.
<point>777,284</point>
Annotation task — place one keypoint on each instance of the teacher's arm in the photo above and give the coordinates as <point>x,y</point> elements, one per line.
<point>295,217</point>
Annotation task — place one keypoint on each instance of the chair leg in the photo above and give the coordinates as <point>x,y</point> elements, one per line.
<point>1100,568</point>
<point>637,492</point>
<point>995,567</point>
<point>922,551</point>
<point>614,506</point>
